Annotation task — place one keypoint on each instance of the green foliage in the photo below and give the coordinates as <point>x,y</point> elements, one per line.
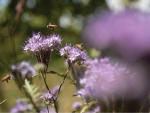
<point>32,90</point>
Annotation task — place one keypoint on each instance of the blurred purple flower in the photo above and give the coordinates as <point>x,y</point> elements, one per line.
<point>73,54</point>
<point>77,105</point>
<point>23,70</point>
<point>21,106</point>
<point>127,33</point>
<point>106,78</point>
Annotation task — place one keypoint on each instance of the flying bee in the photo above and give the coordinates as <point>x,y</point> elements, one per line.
<point>79,46</point>
<point>8,77</point>
<point>50,26</point>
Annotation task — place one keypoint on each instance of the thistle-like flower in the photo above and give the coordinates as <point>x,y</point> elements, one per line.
<point>73,54</point>
<point>41,46</point>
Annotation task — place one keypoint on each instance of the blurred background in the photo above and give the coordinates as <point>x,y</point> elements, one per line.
<point>78,21</point>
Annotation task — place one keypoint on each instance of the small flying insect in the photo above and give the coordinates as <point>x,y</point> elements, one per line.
<point>8,77</point>
<point>79,46</point>
<point>50,26</point>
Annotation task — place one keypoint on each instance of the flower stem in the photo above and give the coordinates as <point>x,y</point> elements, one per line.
<point>62,83</point>
<point>50,93</point>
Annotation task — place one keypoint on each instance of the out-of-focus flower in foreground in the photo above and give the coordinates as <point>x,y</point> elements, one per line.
<point>106,78</point>
<point>21,107</point>
<point>127,33</point>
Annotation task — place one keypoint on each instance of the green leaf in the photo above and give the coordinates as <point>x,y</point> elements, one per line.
<point>32,90</point>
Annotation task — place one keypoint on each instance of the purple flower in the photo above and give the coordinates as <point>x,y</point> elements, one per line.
<point>41,46</point>
<point>77,105</point>
<point>46,98</point>
<point>127,33</point>
<point>73,54</point>
<point>106,78</point>
<point>21,106</point>
<point>39,42</point>
<point>23,69</point>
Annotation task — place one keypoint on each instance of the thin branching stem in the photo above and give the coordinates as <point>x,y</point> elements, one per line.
<point>55,106</point>
<point>62,82</point>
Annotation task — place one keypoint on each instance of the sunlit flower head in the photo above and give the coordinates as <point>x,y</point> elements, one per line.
<point>41,46</point>
<point>39,42</point>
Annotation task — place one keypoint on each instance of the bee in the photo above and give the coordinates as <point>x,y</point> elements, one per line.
<point>8,77</point>
<point>50,26</point>
<point>79,46</point>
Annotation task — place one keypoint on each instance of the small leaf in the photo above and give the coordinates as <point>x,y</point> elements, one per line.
<point>32,90</point>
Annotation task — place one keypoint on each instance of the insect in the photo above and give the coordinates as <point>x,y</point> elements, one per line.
<point>79,46</point>
<point>8,77</point>
<point>50,26</point>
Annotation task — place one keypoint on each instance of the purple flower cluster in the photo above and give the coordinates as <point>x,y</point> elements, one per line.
<point>106,78</point>
<point>41,46</point>
<point>39,43</point>
<point>24,70</point>
<point>126,33</point>
<point>47,98</point>
<point>21,106</point>
<point>73,54</point>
